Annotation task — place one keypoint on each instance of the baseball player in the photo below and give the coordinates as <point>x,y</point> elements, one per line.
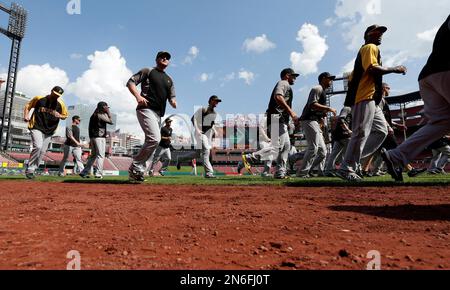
<point>434,81</point>
<point>163,153</point>
<point>389,143</point>
<point>204,126</point>
<point>72,146</point>
<point>341,137</point>
<point>43,123</point>
<point>97,135</point>
<point>157,89</point>
<point>278,115</point>
<point>267,153</point>
<point>313,115</point>
<point>441,153</point>
<point>365,93</point>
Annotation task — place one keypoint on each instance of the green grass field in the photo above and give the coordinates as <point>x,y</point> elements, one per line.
<point>424,180</point>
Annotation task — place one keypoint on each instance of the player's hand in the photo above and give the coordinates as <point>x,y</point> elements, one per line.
<point>391,131</point>
<point>57,115</point>
<point>333,111</point>
<point>173,103</point>
<point>400,69</point>
<point>296,120</point>
<point>26,119</point>
<point>142,102</point>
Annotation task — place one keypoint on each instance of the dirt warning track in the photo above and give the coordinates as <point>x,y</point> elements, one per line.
<point>222,227</point>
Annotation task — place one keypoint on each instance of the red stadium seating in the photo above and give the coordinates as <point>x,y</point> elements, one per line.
<point>20,157</point>
<point>109,165</point>
<point>122,163</point>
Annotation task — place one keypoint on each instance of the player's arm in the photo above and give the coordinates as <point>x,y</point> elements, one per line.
<point>132,84</point>
<point>64,113</point>
<point>344,126</point>
<point>370,62</point>
<point>106,117</point>
<point>173,102</point>
<point>69,135</point>
<point>173,98</point>
<point>322,108</point>
<point>282,103</point>
<point>199,113</point>
<point>381,70</point>
<point>26,114</point>
<point>28,108</point>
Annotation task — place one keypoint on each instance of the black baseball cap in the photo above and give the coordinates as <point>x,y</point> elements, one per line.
<point>373,28</point>
<point>215,98</point>
<point>74,118</point>
<point>168,120</point>
<point>164,54</point>
<point>58,91</point>
<point>326,75</point>
<point>289,71</point>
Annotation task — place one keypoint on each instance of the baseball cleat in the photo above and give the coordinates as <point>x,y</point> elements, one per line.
<point>247,164</point>
<point>416,172</point>
<point>136,176</point>
<point>30,176</point>
<point>84,175</point>
<point>395,171</point>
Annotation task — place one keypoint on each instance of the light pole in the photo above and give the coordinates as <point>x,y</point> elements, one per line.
<point>15,32</point>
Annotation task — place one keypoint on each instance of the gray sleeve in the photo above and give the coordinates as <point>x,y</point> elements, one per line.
<point>105,118</point>
<point>69,132</point>
<point>139,77</point>
<point>172,91</point>
<point>282,88</point>
<point>198,117</point>
<point>314,96</point>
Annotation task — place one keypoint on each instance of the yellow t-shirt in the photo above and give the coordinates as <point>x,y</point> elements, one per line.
<point>366,88</point>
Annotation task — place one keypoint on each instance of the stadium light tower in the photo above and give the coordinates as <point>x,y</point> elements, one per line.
<point>16,32</point>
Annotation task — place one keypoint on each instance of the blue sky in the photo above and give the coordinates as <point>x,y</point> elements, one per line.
<point>128,34</point>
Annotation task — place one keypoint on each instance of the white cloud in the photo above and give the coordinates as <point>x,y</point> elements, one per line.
<point>258,44</point>
<point>247,76</point>
<point>192,55</point>
<point>228,78</point>
<point>349,66</point>
<point>38,80</point>
<point>314,49</point>
<point>76,56</point>
<point>412,25</point>
<point>204,77</point>
<point>105,80</point>
<point>330,22</point>
<point>428,35</point>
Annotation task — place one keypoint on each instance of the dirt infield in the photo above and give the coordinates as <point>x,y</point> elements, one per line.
<point>230,228</point>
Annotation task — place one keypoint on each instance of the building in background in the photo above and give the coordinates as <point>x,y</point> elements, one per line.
<point>20,137</point>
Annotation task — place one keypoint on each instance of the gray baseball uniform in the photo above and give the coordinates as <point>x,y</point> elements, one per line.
<point>434,82</point>
<point>157,89</point>
<point>317,149</point>
<point>278,119</point>
<point>71,148</point>
<point>163,151</point>
<point>205,118</point>
<point>97,135</point>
